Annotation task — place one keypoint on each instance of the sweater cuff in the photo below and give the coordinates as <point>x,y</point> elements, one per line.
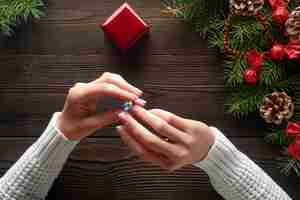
<point>52,146</point>
<point>222,156</point>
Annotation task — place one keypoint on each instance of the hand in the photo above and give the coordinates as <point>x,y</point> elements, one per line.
<point>176,142</point>
<point>79,117</point>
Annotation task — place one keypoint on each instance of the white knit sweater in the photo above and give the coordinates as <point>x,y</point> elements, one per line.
<point>233,174</point>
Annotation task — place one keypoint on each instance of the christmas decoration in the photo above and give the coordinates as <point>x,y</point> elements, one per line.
<point>293,129</point>
<point>280,11</point>
<point>290,51</point>
<point>14,12</point>
<point>277,52</point>
<point>277,107</point>
<point>125,27</point>
<point>294,149</point>
<point>255,61</point>
<point>261,47</point>
<point>246,7</point>
<point>293,25</point>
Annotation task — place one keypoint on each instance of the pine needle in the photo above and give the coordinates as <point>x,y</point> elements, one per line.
<point>207,18</point>
<point>14,11</point>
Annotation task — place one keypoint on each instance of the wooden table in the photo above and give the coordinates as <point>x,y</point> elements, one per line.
<point>174,67</point>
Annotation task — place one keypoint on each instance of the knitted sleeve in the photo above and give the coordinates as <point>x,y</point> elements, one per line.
<point>31,177</point>
<point>235,177</point>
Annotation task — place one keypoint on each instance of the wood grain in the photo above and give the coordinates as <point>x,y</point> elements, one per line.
<point>112,149</point>
<point>65,23</point>
<point>175,68</point>
<point>28,126</point>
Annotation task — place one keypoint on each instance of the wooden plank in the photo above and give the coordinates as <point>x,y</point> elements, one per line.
<point>104,167</point>
<point>77,10</point>
<point>72,30</point>
<point>27,113</point>
<point>136,180</point>
<point>203,104</point>
<point>113,150</point>
<point>24,126</point>
<point>55,71</point>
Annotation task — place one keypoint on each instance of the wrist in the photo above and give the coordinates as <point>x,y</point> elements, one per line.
<point>64,126</point>
<point>221,151</point>
<point>209,139</point>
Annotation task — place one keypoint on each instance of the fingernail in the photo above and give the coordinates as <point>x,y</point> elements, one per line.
<point>138,91</point>
<point>117,115</point>
<point>140,102</point>
<point>119,128</point>
<point>122,116</point>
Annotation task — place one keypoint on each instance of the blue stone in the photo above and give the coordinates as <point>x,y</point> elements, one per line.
<point>127,106</point>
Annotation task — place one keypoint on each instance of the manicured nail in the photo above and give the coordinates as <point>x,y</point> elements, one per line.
<point>119,128</point>
<point>117,115</point>
<point>122,116</point>
<point>140,102</point>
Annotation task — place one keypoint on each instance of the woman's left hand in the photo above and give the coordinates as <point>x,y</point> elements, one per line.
<point>174,141</point>
<point>80,118</point>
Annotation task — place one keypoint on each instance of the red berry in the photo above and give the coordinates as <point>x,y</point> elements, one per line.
<point>250,76</point>
<point>294,149</point>
<point>277,52</point>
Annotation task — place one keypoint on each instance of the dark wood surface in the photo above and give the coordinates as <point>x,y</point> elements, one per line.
<point>174,67</point>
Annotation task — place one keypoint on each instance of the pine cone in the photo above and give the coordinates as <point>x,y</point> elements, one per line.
<point>277,107</point>
<point>293,25</point>
<point>246,7</point>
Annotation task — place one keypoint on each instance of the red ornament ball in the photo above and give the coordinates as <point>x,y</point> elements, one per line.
<point>294,149</point>
<point>277,52</point>
<point>293,129</point>
<point>280,15</point>
<point>255,59</point>
<point>250,76</point>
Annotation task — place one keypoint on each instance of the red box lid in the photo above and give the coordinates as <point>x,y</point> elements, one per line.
<point>125,27</point>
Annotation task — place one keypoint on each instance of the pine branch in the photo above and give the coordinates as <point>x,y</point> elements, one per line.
<point>198,13</point>
<point>293,4</point>
<point>289,165</point>
<point>245,100</point>
<point>277,135</point>
<point>271,73</point>
<point>13,11</point>
<point>215,36</point>
<point>247,33</point>
<point>234,70</point>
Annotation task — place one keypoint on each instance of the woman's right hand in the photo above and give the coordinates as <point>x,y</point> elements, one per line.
<point>79,117</point>
<point>174,141</point>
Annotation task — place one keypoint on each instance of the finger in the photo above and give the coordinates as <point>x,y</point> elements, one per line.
<point>171,118</point>
<point>146,138</point>
<point>159,125</point>
<point>118,81</point>
<point>140,150</point>
<point>106,89</point>
<point>101,120</point>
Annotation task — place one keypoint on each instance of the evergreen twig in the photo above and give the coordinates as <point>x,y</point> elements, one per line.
<point>243,34</point>
<point>14,11</point>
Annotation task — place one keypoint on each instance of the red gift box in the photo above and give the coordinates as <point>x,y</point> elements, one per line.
<point>125,27</point>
